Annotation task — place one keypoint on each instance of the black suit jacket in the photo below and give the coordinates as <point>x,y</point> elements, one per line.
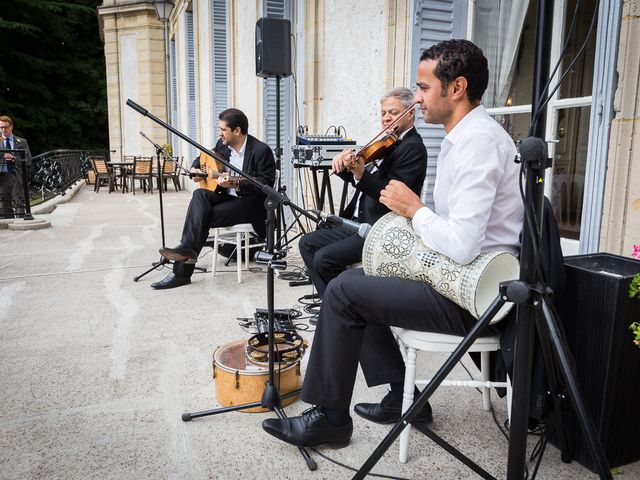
<point>406,162</point>
<point>19,143</point>
<point>258,163</point>
<point>552,267</point>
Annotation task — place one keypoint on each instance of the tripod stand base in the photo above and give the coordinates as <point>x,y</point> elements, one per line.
<point>154,266</point>
<point>271,395</point>
<point>159,265</point>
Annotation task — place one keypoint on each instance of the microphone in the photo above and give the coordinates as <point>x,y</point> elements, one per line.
<point>137,107</point>
<point>361,229</point>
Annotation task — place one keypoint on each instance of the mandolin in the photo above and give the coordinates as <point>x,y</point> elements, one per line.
<point>212,170</point>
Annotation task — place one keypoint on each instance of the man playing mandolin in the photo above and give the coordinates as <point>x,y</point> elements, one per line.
<point>327,253</point>
<point>477,209</point>
<point>223,199</point>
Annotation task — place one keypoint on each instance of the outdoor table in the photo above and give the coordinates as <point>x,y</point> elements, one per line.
<point>123,168</point>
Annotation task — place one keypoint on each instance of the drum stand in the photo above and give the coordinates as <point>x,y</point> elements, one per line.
<point>271,398</point>
<point>534,310</point>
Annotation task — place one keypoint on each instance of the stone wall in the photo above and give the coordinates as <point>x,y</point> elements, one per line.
<point>621,213</point>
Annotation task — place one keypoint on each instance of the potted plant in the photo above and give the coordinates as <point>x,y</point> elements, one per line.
<point>596,323</point>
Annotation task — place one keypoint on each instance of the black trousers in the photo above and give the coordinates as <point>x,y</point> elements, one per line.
<point>353,327</point>
<point>11,194</point>
<point>328,252</point>
<point>208,210</point>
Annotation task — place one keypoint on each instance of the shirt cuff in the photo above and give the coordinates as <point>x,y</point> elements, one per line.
<point>422,215</point>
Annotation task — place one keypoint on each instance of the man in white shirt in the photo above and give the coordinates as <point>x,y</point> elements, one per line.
<point>477,209</point>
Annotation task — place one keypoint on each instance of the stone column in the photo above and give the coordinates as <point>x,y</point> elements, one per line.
<point>621,212</point>
<point>135,66</point>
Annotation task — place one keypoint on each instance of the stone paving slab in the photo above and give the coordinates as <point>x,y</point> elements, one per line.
<point>97,369</point>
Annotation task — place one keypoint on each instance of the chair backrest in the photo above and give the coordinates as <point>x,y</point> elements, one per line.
<point>141,166</point>
<point>169,167</point>
<point>99,165</point>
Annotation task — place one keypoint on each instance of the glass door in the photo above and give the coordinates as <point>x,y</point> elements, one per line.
<point>506,31</point>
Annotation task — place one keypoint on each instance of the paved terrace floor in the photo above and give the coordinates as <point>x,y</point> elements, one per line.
<point>97,369</point>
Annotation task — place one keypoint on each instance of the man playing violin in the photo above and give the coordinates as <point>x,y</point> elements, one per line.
<point>327,253</point>
<point>230,203</point>
<point>477,209</point>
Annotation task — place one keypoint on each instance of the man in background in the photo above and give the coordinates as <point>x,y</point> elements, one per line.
<point>11,182</point>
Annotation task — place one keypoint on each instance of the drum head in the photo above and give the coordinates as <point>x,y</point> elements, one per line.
<point>502,267</point>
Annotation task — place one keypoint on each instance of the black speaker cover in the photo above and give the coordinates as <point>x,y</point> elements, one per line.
<point>273,47</point>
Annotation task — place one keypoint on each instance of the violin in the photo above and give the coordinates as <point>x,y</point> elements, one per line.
<point>376,149</point>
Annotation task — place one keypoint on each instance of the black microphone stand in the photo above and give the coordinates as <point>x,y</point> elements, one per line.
<point>163,261</point>
<point>271,398</point>
<point>534,309</point>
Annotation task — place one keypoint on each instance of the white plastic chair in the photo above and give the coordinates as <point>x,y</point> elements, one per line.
<point>412,341</point>
<point>236,234</point>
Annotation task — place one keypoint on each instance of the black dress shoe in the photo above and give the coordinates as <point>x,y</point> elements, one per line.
<point>179,254</point>
<point>389,410</point>
<point>171,281</point>
<point>309,429</point>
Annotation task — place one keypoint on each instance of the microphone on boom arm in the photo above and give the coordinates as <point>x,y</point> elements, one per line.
<point>361,229</point>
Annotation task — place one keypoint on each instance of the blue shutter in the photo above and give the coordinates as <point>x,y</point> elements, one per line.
<point>220,62</point>
<point>174,95</point>
<point>602,112</point>
<point>278,9</point>
<point>434,21</point>
<point>191,84</point>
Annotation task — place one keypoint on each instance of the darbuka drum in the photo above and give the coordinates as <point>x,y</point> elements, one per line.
<point>239,380</point>
<point>393,249</point>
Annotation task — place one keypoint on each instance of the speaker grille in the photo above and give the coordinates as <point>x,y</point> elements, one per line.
<point>273,47</point>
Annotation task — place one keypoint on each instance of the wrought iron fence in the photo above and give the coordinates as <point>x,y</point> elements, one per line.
<point>55,171</point>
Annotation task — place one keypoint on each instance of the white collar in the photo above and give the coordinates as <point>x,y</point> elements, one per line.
<point>460,128</point>
<point>240,152</point>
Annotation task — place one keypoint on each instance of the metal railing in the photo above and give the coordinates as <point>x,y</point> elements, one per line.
<point>54,171</point>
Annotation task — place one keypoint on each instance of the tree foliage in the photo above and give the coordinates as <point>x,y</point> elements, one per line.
<point>52,73</point>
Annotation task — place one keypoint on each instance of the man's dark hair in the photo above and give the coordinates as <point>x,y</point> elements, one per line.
<point>235,118</point>
<point>460,58</point>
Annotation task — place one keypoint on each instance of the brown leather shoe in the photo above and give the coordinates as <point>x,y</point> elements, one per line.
<point>179,254</point>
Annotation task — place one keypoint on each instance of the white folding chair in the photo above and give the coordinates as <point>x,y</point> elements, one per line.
<point>236,234</point>
<point>411,342</point>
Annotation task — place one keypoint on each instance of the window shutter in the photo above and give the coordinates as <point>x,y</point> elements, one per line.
<point>278,9</point>
<point>174,95</point>
<point>220,62</point>
<point>434,21</point>
<point>191,84</point>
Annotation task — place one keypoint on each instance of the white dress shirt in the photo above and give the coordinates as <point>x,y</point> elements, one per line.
<point>476,194</point>
<point>236,159</point>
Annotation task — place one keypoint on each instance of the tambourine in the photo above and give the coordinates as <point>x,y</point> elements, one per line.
<point>288,347</point>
